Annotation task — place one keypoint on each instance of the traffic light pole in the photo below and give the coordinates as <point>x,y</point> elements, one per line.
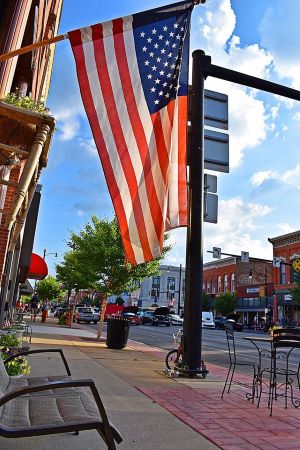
<point>192,330</point>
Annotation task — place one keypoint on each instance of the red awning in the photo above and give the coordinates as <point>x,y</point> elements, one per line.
<point>38,269</point>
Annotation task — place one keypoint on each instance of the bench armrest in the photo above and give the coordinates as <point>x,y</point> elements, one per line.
<point>111,433</point>
<point>50,350</point>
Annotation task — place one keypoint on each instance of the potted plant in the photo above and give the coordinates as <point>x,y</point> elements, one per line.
<point>10,341</point>
<point>18,367</point>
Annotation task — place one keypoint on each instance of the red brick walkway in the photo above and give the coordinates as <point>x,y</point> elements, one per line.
<point>231,423</point>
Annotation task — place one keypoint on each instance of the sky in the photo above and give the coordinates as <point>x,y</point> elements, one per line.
<point>259,197</point>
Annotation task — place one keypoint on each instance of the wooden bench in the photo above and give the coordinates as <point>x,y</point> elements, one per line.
<point>51,405</point>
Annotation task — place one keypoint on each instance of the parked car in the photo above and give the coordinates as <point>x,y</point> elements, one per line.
<point>85,314</point>
<point>130,312</point>
<point>233,319</point>
<point>147,317</point>
<point>208,320</point>
<point>175,319</point>
<point>161,319</point>
<point>161,316</point>
<point>219,322</point>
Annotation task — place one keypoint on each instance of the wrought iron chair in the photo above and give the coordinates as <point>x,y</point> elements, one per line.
<point>234,362</point>
<point>282,377</point>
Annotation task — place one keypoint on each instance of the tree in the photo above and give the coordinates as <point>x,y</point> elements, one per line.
<point>97,260</point>
<point>48,288</point>
<point>295,292</point>
<point>226,303</point>
<point>205,301</point>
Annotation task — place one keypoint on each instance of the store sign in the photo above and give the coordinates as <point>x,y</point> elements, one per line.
<point>288,298</point>
<point>252,290</point>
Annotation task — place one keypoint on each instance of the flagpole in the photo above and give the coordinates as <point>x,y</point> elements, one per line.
<point>29,48</point>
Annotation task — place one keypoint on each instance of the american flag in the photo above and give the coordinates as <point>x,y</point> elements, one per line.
<point>133,77</point>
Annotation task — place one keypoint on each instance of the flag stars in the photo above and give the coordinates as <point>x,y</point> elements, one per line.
<point>149,40</point>
<point>161,72</point>
<point>157,81</point>
<point>176,25</point>
<point>165,28</point>
<point>144,49</point>
<point>156,45</point>
<point>166,64</point>
<point>167,95</point>
<point>147,63</point>
<point>171,34</point>
<point>160,37</point>
<point>153,89</point>
<point>151,54</point>
<point>156,102</point>
<point>142,34</point>
<point>154,31</point>
<point>160,93</point>
<point>158,59</point>
<point>154,68</point>
<point>163,51</point>
<point>167,42</point>
<point>178,36</point>
<point>149,76</point>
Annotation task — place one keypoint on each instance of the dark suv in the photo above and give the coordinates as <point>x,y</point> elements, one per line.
<point>147,317</point>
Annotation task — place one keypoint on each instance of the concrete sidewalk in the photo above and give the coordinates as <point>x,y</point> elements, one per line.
<point>153,411</point>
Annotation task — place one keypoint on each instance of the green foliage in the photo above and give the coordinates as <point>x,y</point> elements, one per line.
<point>205,302</point>
<point>18,366</point>
<point>225,303</point>
<point>97,260</point>
<point>26,103</point>
<point>48,288</point>
<point>295,292</point>
<point>9,340</point>
<point>25,299</point>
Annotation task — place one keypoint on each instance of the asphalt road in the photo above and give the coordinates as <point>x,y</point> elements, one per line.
<point>214,345</point>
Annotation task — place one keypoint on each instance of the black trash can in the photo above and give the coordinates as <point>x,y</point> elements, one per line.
<point>117,332</point>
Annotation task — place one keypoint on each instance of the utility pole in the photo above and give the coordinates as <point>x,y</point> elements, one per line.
<point>179,291</point>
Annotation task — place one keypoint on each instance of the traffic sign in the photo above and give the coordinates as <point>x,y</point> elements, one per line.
<point>245,257</point>
<point>296,265</point>
<point>276,261</point>
<point>210,208</point>
<point>215,109</point>
<point>217,252</point>
<point>210,183</point>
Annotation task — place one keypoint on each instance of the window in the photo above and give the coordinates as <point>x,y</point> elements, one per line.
<point>282,273</point>
<point>219,283</point>
<point>213,287</point>
<point>232,287</point>
<point>225,283</point>
<point>208,286</point>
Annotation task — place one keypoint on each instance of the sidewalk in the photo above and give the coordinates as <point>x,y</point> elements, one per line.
<point>153,411</point>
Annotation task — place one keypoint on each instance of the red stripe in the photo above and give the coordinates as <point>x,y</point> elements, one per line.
<point>138,129</point>
<point>182,160</point>
<point>98,137</point>
<point>117,132</point>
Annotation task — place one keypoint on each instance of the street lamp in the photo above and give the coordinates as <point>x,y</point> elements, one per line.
<point>46,254</point>
<point>265,280</point>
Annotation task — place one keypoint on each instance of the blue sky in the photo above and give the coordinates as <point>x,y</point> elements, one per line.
<point>259,198</point>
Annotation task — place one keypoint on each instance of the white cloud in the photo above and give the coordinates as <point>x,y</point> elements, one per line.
<point>280,34</point>
<point>238,221</point>
<point>283,228</point>
<point>216,25</point>
<point>289,177</point>
<point>89,146</point>
<point>68,129</point>
<point>296,117</point>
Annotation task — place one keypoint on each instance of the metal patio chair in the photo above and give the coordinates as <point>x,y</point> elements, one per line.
<point>234,361</point>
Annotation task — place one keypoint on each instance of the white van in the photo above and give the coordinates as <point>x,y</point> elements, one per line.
<point>208,320</point>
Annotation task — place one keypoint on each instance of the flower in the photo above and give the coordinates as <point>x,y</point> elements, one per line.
<point>17,366</point>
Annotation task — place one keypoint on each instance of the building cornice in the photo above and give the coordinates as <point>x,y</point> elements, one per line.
<point>219,263</point>
<point>286,239</point>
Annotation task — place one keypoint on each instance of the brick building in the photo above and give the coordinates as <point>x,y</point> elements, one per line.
<point>287,249</point>
<point>251,281</point>
<point>25,136</point>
